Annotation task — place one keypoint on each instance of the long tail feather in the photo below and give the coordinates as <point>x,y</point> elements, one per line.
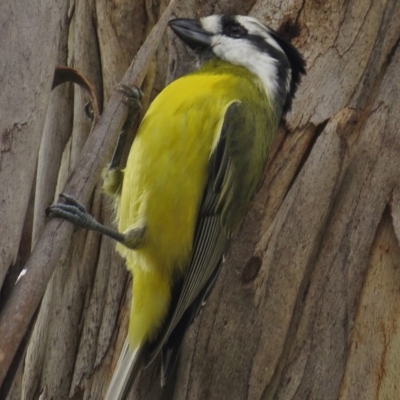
<point>128,367</point>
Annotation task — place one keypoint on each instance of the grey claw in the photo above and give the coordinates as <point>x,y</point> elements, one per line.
<point>70,200</point>
<point>132,92</point>
<point>133,95</point>
<point>72,210</point>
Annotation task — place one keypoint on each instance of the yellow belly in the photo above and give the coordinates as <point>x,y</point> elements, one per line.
<point>162,189</point>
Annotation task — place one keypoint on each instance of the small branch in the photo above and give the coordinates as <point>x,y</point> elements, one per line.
<point>30,288</point>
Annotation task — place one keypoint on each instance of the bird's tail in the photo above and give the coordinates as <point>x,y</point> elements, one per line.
<point>128,367</point>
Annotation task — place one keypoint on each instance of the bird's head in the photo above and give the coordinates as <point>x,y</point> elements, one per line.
<point>247,42</point>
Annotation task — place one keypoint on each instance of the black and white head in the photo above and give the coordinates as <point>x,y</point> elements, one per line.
<point>247,42</point>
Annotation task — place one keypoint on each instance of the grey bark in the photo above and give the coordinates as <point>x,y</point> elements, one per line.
<point>306,305</point>
<point>26,81</point>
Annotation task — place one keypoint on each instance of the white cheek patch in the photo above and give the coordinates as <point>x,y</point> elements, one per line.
<point>241,52</point>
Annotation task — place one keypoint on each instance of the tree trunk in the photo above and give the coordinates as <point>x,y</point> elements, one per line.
<point>307,303</point>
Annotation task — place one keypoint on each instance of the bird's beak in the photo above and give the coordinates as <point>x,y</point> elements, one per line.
<point>191,32</point>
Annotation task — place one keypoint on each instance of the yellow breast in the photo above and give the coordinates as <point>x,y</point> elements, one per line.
<point>167,168</point>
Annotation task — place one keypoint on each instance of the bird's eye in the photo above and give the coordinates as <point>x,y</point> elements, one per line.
<point>234,30</point>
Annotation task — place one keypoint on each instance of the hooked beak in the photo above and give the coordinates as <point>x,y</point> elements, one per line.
<point>191,32</point>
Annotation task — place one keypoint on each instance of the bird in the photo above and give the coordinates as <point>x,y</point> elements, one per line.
<point>195,165</point>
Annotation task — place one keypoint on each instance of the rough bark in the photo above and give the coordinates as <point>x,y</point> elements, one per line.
<point>306,305</point>
<point>26,80</point>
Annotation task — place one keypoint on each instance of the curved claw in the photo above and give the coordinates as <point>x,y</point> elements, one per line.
<point>133,94</point>
<point>71,200</point>
<point>71,210</point>
<point>130,91</point>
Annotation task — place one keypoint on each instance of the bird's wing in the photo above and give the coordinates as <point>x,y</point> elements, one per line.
<point>227,194</point>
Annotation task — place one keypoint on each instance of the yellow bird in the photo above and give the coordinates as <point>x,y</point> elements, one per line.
<point>198,157</point>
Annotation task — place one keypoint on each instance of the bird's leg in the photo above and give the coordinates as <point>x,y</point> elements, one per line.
<point>113,175</point>
<point>133,97</point>
<point>72,210</point>
<point>75,212</point>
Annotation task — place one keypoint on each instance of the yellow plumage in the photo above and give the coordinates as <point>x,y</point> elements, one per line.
<point>163,185</point>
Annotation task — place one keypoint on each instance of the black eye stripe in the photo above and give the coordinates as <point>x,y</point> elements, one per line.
<point>231,28</point>
<point>234,30</point>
